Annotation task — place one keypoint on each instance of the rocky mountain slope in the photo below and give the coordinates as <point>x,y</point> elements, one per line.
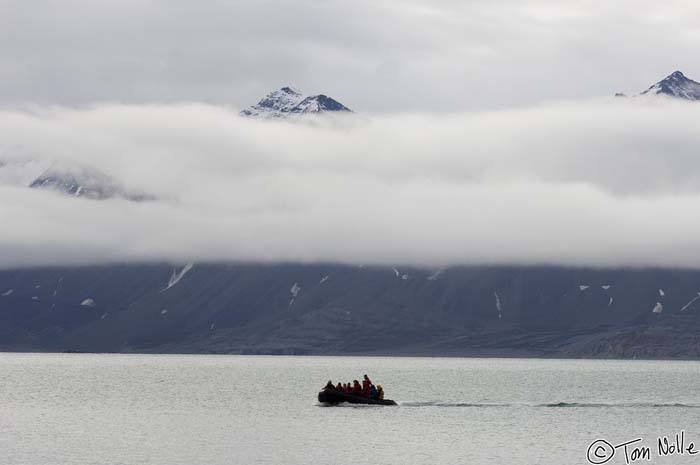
<point>332,309</point>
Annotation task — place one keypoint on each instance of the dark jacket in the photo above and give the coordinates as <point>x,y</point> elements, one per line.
<point>373,393</point>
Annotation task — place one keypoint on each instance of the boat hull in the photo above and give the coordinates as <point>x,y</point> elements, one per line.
<point>330,397</point>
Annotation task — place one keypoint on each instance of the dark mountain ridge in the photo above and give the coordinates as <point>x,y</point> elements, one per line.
<point>335,309</point>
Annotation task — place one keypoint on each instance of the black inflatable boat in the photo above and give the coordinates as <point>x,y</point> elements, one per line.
<point>333,397</point>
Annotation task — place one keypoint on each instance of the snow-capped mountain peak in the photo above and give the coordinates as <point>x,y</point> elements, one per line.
<point>289,101</point>
<point>282,100</point>
<point>319,104</point>
<point>83,181</point>
<point>79,181</point>
<point>676,85</point>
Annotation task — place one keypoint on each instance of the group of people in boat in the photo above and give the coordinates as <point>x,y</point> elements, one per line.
<point>366,389</point>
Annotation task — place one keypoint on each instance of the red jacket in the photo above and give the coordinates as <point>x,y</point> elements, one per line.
<point>366,383</point>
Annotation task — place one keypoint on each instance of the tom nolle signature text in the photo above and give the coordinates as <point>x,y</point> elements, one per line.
<point>601,451</point>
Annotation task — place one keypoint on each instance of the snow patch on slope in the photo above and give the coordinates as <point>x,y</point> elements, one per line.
<point>294,291</point>
<point>434,276</point>
<point>176,276</point>
<point>498,304</point>
<point>686,306</point>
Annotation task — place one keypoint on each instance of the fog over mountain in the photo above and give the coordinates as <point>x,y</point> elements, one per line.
<point>609,182</point>
<point>422,178</point>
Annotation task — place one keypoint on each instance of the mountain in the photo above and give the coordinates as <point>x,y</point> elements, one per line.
<point>83,181</point>
<point>336,309</point>
<point>676,85</point>
<point>287,102</point>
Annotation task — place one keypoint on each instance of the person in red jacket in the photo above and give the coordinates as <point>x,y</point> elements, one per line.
<point>366,386</point>
<point>356,388</point>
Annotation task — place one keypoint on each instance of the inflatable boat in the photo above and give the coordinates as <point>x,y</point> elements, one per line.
<point>333,397</point>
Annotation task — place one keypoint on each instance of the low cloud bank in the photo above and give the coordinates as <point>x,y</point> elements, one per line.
<point>598,183</point>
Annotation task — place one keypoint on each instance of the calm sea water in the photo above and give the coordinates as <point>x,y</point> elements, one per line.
<point>173,409</point>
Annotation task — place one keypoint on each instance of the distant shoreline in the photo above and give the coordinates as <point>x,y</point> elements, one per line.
<point>404,354</point>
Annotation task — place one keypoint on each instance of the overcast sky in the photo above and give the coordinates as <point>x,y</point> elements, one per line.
<point>375,56</point>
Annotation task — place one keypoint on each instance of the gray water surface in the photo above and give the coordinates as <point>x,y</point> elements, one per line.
<point>193,409</point>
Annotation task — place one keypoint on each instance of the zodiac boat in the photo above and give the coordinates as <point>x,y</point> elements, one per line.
<point>333,397</point>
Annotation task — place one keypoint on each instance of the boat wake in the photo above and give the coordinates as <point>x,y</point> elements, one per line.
<point>450,404</point>
<point>623,405</point>
<point>548,405</point>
